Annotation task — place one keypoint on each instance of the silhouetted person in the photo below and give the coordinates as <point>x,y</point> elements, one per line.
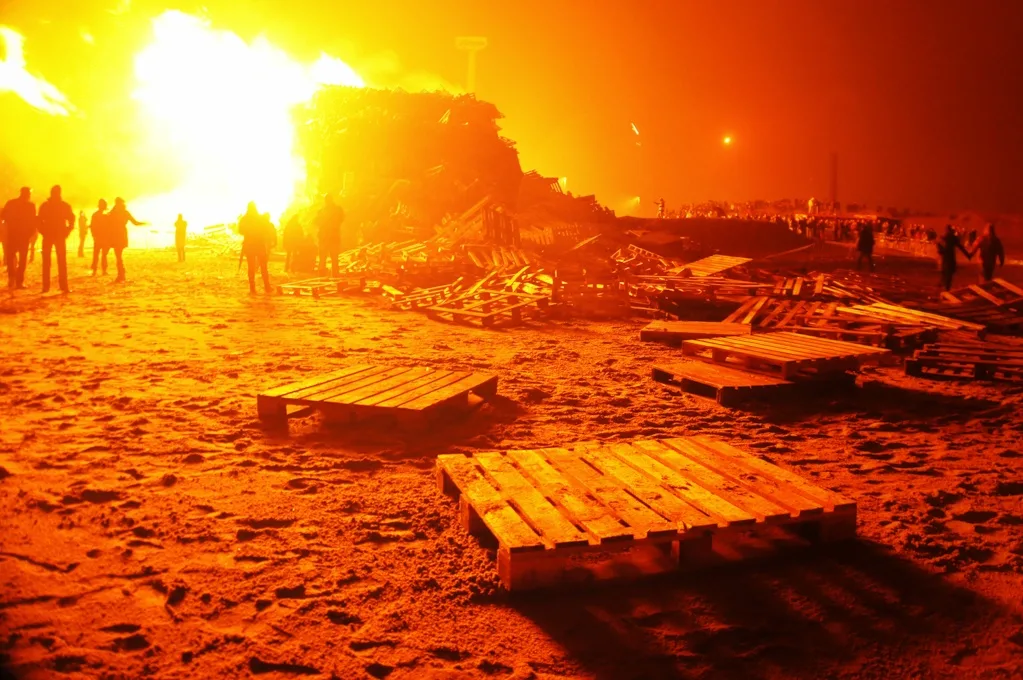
<point>256,231</point>
<point>117,221</point>
<point>19,217</point>
<point>293,235</point>
<point>56,223</point>
<point>660,209</point>
<point>947,246</point>
<point>328,222</point>
<point>100,236</point>
<point>180,231</point>
<point>83,229</point>
<point>865,246</point>
<point>991,250</point>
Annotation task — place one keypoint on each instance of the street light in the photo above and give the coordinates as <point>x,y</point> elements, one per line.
<point>472,45</point>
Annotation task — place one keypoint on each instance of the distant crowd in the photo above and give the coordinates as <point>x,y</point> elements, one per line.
<point>22,224</point>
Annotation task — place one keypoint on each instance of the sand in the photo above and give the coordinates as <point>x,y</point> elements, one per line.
<point>150,528</point>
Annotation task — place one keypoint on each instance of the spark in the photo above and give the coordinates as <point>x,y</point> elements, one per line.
<point>635,129</point>
<point>727,140</point>
<point>15,77</point>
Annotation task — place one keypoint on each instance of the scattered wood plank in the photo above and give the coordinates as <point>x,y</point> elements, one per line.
<point>674,332</point>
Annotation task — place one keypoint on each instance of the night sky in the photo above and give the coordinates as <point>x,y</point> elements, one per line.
<point>920,99</point>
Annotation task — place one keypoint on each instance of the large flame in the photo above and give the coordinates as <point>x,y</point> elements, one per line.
<point>222,108</point>
<point>15,77</point>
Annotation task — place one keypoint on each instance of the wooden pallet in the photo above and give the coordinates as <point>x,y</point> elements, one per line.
<point>715,264</point>
<point>823,319</point>
<point>726,386</point>
<point>555,512</point>
<point>675,332</point>
<point>488,308</point>
<point>784,354</point>
<point>316,288</point>
<point>968,361</point>
<point>413,396</point>
<point>884,312</point>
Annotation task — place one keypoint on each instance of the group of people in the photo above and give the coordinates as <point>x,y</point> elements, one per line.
<point>21,224</point>
<point>259,237</point>
<point>988,245</point>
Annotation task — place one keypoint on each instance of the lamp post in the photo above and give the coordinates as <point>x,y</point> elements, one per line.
<point>472,45</point>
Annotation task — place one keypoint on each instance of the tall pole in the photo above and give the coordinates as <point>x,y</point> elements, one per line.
<point>472,45</point>
<point>834,180</point>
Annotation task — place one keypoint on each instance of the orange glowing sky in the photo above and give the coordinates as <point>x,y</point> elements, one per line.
<point>918,99</point>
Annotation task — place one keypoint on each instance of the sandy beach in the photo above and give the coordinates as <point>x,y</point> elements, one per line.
<point>149,526</point>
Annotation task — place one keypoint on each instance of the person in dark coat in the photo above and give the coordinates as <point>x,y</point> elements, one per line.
<point>293,237</point>
<point>117,222</point>
<point>328,223</point>
<point>20,223</point>
<point>256,231</point>
<point>991,250</point>
<point>100,236</point>
<point>865,246</point>
<point>83,230</point>
<point>947,246</point>
<point>180,233</point>
<point>56,223</point>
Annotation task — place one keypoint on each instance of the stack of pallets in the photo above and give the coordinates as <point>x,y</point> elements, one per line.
<point>968,361</point>
<point>827,320</point>
<point>996,304</point>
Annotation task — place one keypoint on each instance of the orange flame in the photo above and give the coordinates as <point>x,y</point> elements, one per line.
<point>220,109</point>
<point>15,77</point>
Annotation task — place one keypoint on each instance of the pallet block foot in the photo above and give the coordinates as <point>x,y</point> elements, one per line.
<point>830,530</point>
<point>693,553</point>
<point>471,520</point>
<point>271,410</point>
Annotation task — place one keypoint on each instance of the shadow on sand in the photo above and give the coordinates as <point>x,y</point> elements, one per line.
<point>853,604</point>
<point>876,400</point>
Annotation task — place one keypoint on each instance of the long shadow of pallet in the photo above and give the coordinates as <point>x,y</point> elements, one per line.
<point>556,514</point>
<point>412,396</point>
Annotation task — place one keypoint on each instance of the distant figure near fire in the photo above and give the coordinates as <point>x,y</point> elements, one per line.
<point>865,246</point>
<point>117,221</point>
<point>661,214</point>
<point>991,249</point>
<point>100,236</point>
<point>83,229</point>
<point>180,232</point>
<point>947,246</point>
<point>258,238</point>
<point>19,218</point>
<point>328,223</point>
<point>292,237</point>
<point>56,223</point>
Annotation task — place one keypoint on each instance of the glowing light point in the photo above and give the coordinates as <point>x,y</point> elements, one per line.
<point>727,140</point>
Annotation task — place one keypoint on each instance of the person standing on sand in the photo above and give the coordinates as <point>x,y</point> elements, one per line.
<point>83,229</point>
<point>328,222</point>
<point>117,222</point>
<point>56,223</point>
<point>991,249</point>
<point>19,218</point>
<point>292,236</point>
<point>947,246</point>
<point>865,245</point>
<point>98,227</point>
<point>180,232</point>
<point>255,230</point>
